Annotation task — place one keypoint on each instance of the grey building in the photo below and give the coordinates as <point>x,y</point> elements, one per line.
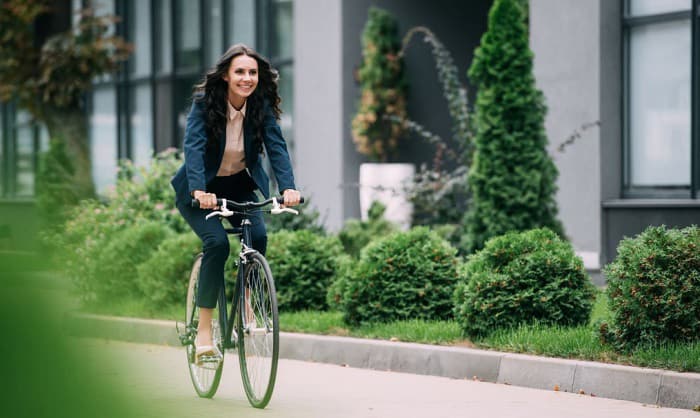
<point>619,76</point>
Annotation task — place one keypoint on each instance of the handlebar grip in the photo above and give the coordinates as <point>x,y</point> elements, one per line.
<point>195,203</point>
<point>280,199</point>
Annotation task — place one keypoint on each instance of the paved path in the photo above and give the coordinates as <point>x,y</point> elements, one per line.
<point>156,378</point>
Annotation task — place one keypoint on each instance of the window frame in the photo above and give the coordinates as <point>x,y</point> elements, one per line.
<point>661,192</point>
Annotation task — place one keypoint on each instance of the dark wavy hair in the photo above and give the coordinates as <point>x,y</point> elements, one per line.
<point>213,91</point>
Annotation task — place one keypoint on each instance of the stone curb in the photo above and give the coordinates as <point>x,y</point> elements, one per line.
<point>649,386</point>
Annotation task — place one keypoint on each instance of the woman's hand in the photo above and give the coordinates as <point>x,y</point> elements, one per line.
<point>206,200</point>
<point>291,197</point>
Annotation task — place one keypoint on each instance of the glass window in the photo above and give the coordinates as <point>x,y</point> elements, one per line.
<point>103,138</point>
<point>141,125</point>
<point>659,108</point>
<point>105,7</point>
<point>215,41</point>
<point>164,33</point>
<point>241,18</point>
<point>187,32</point>
<point>140,36</point>
<point>647,7</point>
<point>283,35</point>
<point>24,155</point>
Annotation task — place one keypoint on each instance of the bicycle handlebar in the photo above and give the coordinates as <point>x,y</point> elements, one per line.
<point>244,205</point>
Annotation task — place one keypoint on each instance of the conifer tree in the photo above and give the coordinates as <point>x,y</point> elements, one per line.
<point>512,177</point>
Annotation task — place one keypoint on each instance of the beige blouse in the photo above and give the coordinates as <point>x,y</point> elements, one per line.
<point>234,154</point>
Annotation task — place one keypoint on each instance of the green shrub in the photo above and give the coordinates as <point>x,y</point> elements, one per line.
<point>164,276</point>
<point>140,195</point>
<point>334,296</point>
<point>303,265</point>
<point>356,234</point>
<point>407,275</point>
<point>654,288</point>
<point>512,178</point>
<point>113,273</point>
<point>383,85</point>
<point>523,278</point>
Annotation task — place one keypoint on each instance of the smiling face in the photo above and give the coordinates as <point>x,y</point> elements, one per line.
<point>242,78</point>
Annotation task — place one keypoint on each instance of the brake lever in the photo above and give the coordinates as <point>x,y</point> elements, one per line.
<point>225,212</point>
<point>277,209</point>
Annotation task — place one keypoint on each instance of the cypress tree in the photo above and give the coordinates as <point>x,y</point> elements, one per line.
<point>512,177</point>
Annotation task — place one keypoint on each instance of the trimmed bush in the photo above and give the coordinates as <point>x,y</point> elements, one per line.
<point>654,288</point>
<point>356,234</point>
<point>523,278</point>
<point>407,275</point>
<point>303,265</point>
<point>164,276</point>
<point>512,178</point>
<point>114,270</point>
<point>334,296</point>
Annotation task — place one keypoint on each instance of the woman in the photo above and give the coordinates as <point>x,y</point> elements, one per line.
<point>234,114</point>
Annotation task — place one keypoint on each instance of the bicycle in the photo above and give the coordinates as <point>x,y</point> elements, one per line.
<point>251,325</point>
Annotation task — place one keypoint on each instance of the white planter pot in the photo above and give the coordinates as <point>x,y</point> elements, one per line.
<point>387,182</point>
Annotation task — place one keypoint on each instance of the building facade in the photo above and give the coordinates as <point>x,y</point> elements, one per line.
<point>620,78</point>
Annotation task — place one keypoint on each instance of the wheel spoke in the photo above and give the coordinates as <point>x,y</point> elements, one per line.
<point>259,351</point>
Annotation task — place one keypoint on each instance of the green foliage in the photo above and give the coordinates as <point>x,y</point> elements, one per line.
<point>654,288</point>
<point>336,290</point>
<point>439,198</point>
<point>141,195</point>
<point>55,195</point>
<point>164,276</point>
<point>307,219</point>
<point>407,275</point>
<point>113,272</point>
<point>523,278</point>
<point>440,194</point>
<point>303,264</point>
<point>356,234</point>
<point>383,85</point>
<point>455,94</point>
<point>512,179</point>
<point>60,71</point>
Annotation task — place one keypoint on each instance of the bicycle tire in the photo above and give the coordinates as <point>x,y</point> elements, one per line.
<point>205,377</point>
<point>258,341</point>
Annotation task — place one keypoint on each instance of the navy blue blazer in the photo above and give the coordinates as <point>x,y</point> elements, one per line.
<point>200,167</point>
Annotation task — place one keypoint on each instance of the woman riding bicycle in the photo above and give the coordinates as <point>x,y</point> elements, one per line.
<point>233,116</point>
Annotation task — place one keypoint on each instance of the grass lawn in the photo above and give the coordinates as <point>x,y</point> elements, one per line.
<point>574,343</point>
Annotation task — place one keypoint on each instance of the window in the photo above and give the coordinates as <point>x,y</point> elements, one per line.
<point>659,132</point>
<point>214,31</point>
<point>139,23</point>
<point>281,51</point>
<point>163,33</point>
<point>103,137</point>
<point>241,22</point>
<point>188,39</point>
<point>141,124</point>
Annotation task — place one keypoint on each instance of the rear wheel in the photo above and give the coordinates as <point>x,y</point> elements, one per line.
<point>258,331</point>
<point>206,375</point>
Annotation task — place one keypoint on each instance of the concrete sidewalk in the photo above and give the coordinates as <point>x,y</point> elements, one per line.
<point>649,386</point>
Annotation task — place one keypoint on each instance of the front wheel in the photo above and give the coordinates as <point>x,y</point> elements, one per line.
<point>205,375</point>
<point>258,331</point>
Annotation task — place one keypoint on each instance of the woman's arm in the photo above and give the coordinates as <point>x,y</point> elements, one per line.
<point>195,146</point>
<point>276,148</point>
